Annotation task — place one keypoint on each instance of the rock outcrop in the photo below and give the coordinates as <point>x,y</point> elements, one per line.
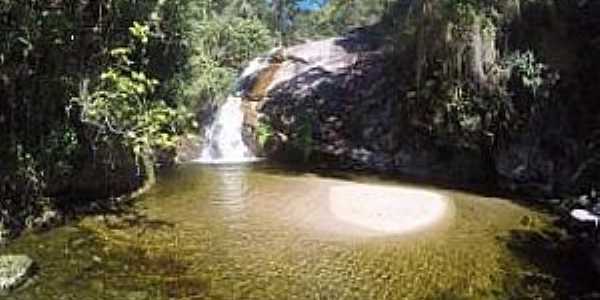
<point>334,101</point>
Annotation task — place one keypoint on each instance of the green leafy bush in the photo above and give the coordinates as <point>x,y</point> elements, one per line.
<point>264,131</point>
<point>525,66</point>
<point>122,104</point>
<point>218,48</point>
<point>303,138</point>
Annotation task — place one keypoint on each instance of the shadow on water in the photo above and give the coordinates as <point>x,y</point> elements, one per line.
<point>484,188</point>
<point>141,254</point>
<point>130,257</point>
<point>564,270</point>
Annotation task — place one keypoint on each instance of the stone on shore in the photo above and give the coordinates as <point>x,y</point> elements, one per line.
<point>14,271</point>
<point>584,215</point>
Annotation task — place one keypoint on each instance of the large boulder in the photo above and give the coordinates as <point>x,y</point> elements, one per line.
<point>14,271</point>
<point>334,100</point>
<point>315,92</point>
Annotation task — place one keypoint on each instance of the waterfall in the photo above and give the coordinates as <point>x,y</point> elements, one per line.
<point>223,142</point>
<point>223,138</point>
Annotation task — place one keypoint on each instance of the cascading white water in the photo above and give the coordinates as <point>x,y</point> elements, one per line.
<point>223,138</point>
<point>224,143</point>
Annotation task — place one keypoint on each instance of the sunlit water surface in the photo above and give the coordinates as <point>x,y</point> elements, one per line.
<point>257,232</point>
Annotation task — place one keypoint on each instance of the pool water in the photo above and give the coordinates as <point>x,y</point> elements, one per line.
<point>261,232</point>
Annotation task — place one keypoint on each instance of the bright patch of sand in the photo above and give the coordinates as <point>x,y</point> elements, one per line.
<point>387,210</point>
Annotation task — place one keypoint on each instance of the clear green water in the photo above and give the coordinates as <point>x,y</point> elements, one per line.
<point>209,232</point>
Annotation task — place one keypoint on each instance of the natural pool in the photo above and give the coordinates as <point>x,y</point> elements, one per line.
<point>260,232</point>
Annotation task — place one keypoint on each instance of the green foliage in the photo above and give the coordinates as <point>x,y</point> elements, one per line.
<point>303,138</point>
<point>28,174</point>
<point>338,16</point>
<point>59,152</point>
<point>219,45</point>
<point>140,32</point>
<point>528,69</point>
<point>123,105</point>
<point>466,90</point>
<point>264,131</point>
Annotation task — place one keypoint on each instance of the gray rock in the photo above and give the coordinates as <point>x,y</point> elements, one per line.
<point>47,219</point>
<point>583,200</point>
<point>320,83</point>
<point>14,271</point>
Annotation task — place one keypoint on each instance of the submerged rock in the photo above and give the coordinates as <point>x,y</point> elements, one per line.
<point>14,271</point>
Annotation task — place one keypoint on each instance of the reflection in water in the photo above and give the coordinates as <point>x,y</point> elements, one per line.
<point>231,190</point>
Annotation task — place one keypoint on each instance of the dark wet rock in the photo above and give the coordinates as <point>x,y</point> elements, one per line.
<point>14,271</point>
<point>583,200</point>
<point>595,258</point>
<point>104,171</point>
<point>188,148</point>
<point>544,160</point>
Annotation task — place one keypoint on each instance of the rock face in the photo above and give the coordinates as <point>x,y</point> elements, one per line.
<point>543,161</point>
<point>14,271</point>
<point>331,100</point>
<point>529,166</point>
